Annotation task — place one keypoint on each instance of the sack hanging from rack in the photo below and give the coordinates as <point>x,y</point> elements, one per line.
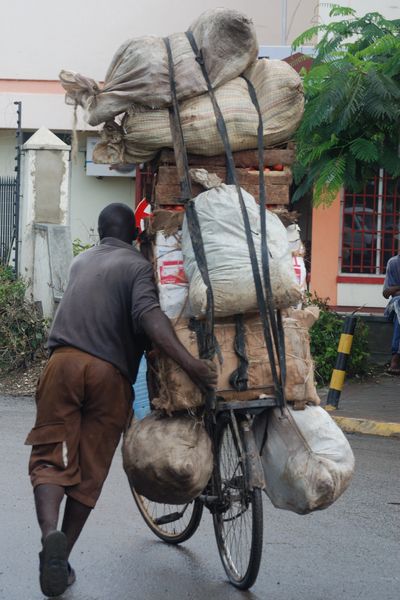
<point>308,462</point>
<point>167,459</point>
<point>138,73</point>
<point>227,255</point>
<point>143,133</point>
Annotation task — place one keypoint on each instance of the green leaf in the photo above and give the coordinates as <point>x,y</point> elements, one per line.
<point>351,122</point>
<point>364,150</point>
<point>341,11</point>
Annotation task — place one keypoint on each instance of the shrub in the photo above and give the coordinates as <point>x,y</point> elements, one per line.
<point>78,246</point>
<point>22,328</point>
<point>324,338</point>
<point>350,127</point>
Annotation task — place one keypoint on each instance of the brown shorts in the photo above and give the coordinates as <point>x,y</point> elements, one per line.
<point>83,405</point>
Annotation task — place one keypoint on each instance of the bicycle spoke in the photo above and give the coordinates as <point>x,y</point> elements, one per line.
<point>235,526</point>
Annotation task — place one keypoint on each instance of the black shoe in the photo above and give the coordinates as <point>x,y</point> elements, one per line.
<point>54,564</point>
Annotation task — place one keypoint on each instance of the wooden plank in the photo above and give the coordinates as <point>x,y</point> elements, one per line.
<point>244,158</point>
<point>169,175</point>
<point>170,194</point>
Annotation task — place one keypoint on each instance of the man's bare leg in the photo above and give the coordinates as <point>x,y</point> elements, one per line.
<point>48,498</point>
<point>395,363</point>
<point>75,517</point>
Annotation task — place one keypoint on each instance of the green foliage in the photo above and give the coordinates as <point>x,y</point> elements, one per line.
<point>324,339</point>
<point>78,246</point>
<point>22,328</point>
<point>351,123</point>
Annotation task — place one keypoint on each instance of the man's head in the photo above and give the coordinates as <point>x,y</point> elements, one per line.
<point>118,221</point>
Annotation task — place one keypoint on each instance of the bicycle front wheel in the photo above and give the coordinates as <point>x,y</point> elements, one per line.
<point>171,523</point>
<point>239,524</point>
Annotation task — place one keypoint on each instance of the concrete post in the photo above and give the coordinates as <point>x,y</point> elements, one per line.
<point>46,248</point>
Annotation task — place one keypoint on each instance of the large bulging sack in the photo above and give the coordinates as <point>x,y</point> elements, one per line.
<point>227,254</point>
<point>175,391</point>
<point>167,459</point>
<point>138,73</point>
<point>308,462</point>
<point>143,133</point>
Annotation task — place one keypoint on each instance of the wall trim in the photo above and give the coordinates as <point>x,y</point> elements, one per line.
<point>361,280</point>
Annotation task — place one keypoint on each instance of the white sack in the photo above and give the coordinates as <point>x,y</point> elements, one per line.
<point>308,462</point>
<point>138,73</point>
<point>227,254</point>
<point>173,287</point>
<point>167,459</point>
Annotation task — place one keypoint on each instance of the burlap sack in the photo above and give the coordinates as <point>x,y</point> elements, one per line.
<point>143,133</point>
<point>167,459</point>
<point>177,392</point>
<point>138,73</point>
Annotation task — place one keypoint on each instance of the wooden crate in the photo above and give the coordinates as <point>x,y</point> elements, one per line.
<point>243,159</point>
<point>167,190</point>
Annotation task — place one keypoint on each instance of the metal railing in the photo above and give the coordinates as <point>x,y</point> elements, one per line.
<point>8,203</point>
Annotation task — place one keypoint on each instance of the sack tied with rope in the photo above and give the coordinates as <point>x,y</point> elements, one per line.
<point>167,459</point>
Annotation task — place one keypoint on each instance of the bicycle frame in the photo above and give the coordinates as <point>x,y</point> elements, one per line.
<point>240,413</point>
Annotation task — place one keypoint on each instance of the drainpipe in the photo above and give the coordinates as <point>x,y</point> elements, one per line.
<point>283,22</point>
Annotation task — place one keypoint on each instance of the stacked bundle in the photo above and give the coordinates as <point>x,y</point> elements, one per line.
<point>183,294</point>
<point>210,69</point>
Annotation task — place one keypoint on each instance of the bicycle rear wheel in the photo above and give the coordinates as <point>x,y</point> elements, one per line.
<point>239,526</point>
<point>172,523</point>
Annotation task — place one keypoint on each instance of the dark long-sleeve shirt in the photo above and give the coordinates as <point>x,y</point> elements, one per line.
<point>110,288</point>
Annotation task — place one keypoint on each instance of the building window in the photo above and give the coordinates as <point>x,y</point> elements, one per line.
<point>371,226</point>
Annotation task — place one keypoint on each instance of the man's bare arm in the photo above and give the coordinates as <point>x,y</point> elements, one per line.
<point>159,330</point>
<point>393,290</point>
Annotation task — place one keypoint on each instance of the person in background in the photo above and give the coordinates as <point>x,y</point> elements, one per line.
<point>107,314</point>
<point>391,289</point>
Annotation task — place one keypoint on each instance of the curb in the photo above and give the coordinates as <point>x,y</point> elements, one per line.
<point>367,426</point>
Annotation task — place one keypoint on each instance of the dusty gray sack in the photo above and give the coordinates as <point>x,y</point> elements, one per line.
<point>138,73</point>
<point>167,459</point>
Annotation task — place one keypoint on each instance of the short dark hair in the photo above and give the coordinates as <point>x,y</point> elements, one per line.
<point>117,220</point>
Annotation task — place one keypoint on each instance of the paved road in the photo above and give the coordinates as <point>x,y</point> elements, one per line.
<point>347,552</point>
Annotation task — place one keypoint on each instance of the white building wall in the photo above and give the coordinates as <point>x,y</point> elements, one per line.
<point>90,195</point>
<point>7,152</point>
<point>83,35</point>
<point>360,295</point>
<point>40,110</point>
<point>388,8</point>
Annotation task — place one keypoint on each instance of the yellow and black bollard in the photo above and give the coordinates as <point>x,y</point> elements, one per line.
<point>339,372</point>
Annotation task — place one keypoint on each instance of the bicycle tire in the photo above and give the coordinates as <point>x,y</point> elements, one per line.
<point>174,537</point>
<point>245,576</point>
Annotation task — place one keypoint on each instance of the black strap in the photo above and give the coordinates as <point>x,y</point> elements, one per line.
<point>203,342</point>
<point>177,132</point>
<point>277,326</point>
<point>208,344</point>
<point>239,378</point>
<point>231,176</point>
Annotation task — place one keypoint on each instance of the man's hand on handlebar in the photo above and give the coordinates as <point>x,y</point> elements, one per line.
<point>203,373</point>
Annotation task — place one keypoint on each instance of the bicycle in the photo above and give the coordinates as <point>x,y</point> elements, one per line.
<point>233,495</point>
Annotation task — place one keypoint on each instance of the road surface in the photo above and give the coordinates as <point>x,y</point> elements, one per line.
<point>346,552</point>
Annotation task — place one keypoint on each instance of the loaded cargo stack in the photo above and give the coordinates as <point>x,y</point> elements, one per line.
<point>217,133</point>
